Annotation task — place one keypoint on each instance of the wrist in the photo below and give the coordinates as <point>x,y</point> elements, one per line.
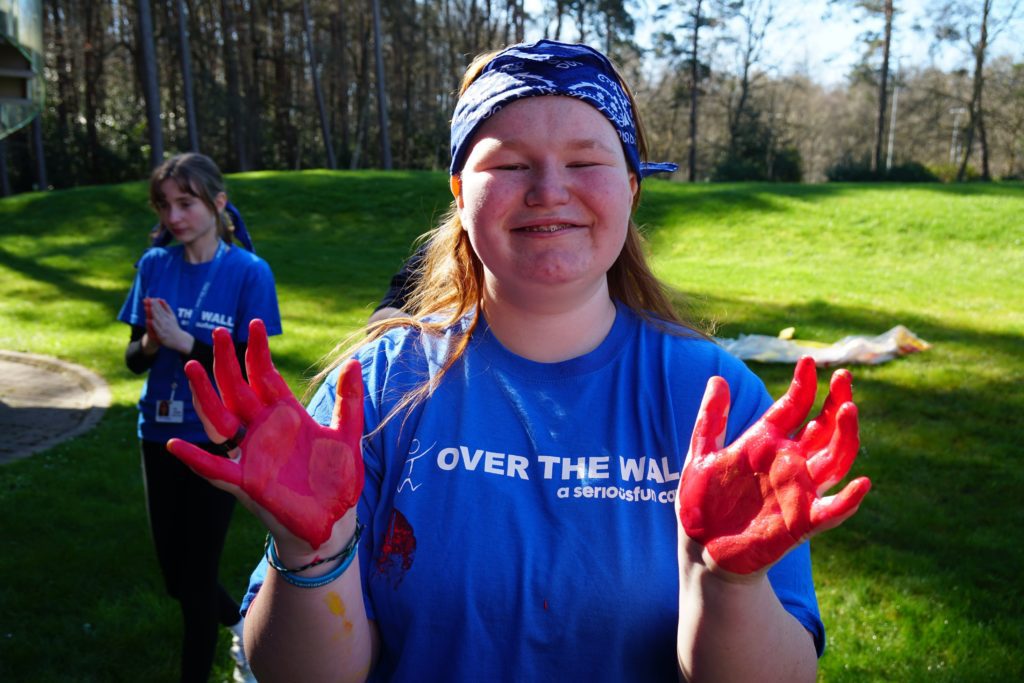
<point>295,552</point>
<point>697,566</point>
<point>150,345</point>
<point>184,342</point>
<point>319,572</point>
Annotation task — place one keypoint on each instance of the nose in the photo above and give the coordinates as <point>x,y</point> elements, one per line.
<point>549,185</point>
<point>174,214</point>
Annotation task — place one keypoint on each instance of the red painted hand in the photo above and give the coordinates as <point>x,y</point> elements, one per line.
<point>752,502</point>
<point>147,304</point>
<point>305,475</point>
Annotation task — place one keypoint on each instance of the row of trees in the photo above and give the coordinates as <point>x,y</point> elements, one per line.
<point>288,84</point>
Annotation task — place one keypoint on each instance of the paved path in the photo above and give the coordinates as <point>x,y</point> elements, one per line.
<point>44,401</point>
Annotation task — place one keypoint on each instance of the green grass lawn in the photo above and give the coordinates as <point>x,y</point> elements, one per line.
<point>923,584</point>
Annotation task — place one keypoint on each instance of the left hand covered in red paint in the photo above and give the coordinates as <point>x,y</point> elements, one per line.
<point>302,473</point>
<point>750,503</point>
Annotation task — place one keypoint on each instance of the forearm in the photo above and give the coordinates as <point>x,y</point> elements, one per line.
<point>732,631</point>
<point>141,351</point>
<point>310,634</point>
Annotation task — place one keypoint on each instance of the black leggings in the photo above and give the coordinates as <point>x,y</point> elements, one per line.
<point>189,519</point>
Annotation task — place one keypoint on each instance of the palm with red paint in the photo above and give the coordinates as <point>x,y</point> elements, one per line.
<point>304,474</point>
<point>147,304</point>
<point>750,503</point>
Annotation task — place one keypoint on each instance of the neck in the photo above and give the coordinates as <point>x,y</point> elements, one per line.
<point>551,329</point>
<point>203,249</point>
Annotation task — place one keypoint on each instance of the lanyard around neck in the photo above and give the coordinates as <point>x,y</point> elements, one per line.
<point>211,275</point>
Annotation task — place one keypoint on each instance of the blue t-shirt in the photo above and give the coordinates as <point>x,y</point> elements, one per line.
<point>520,522</point>
<point>241,288</point>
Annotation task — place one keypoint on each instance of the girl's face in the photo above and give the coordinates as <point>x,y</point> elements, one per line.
<point>545,196</point>
<point>190,220</point>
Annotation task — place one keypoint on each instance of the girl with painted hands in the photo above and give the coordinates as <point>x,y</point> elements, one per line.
<point>559,478</point>
<point>181,293</point>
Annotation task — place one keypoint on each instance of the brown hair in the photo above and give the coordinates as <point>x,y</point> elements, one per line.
<point>196,175</point>
<point>449,282</point>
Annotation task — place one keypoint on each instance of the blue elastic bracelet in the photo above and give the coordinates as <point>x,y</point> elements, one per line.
<point>350,553</point>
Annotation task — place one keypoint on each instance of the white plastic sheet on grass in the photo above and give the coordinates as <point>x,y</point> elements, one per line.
<point>858,349</point>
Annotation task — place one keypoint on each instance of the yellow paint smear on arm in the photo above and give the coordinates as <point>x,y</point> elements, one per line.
<point>337,607</point>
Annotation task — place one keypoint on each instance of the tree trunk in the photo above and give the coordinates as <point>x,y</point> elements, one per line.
<point>363,100</point>
<point>344,75</point>
<point>691,175</point>
<point>284,130</point>
<point>93,68</point>
<point>63,77</point>
<point>186,79</point>
<point>150,88</point>
<point>382,96</point>
<point>325,128</point>
<point>5,181</point>
<point>235,120</point>
<point>883,90</point>
<point>251,146</point>
<point>37,152</point>
<point>974,121</point>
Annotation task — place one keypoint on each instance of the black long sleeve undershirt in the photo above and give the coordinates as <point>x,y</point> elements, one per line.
<point>138,361</point>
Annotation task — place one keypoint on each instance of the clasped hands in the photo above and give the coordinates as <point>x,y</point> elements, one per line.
<point>305,475</point>
<point>751,502</point>
<point>747,504</point>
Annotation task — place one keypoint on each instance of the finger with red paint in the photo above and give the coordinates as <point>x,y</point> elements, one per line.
<point>238,397</point>
<point>748,504</point>
<point>295,474</point>
<point>147,305</point>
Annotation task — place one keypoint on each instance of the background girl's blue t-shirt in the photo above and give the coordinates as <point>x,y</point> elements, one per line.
<point>243,290</point>
<point>520,522</point>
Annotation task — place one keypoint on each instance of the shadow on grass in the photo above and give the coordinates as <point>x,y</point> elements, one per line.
<point>343,257</point>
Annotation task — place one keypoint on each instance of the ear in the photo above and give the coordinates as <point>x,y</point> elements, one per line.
<point>220,201</point>
<point>634,189</point>
<point>455,185</point>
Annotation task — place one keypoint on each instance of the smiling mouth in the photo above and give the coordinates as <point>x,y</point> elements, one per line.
<point>546,228</point>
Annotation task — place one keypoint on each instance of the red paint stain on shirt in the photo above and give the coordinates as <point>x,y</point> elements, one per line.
<point>397,551</point>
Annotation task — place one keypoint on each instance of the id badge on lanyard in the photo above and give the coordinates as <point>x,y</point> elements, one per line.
<point>170,410</point>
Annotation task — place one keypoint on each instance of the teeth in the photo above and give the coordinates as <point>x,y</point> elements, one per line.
<point>546,228</point>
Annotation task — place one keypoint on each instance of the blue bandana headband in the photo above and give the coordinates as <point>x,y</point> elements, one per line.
<point>547,67</point>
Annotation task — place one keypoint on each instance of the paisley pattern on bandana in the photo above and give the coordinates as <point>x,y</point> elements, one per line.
<point>548,67</point>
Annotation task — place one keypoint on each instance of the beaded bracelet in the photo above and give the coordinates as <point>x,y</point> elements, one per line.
<point>346,554</point>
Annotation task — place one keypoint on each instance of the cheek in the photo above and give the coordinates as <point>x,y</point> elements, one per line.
<point>481,207</point>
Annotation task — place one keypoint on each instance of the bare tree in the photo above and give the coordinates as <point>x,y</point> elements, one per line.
<point>886,8</point>
<point>755,18</point>
<point>382,98</point>
<point>150,87</point>
<point>236,119</point>
<point>325,128</point>
<point>5,180</point>
<point>186,79</point>
<point>960,21</point>
<point>696,22</point>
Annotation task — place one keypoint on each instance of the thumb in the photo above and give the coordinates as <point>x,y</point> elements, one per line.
<point>348,404</point>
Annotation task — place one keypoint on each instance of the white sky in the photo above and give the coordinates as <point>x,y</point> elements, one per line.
<point>830,46</point>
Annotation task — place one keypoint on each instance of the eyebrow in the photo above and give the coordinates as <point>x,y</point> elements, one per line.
<point>571,143</point>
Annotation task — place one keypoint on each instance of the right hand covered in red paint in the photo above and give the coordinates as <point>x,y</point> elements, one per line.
<point>751,502</point>
<point>154,338</point>
<point>305,475</point>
